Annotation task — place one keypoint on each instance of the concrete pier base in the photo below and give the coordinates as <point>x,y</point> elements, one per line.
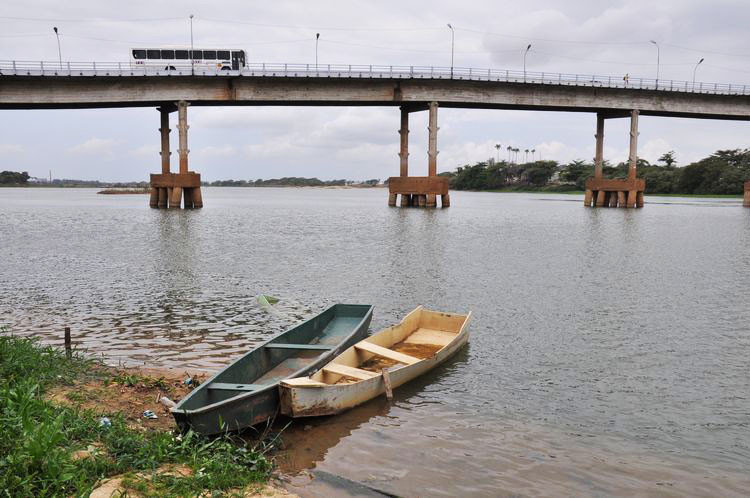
<point>419,190</point>
<point>746,201</point>
<point>174,189</point>
<point>614,192</point>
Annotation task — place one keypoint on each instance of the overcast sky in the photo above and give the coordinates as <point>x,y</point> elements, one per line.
<point>586,37</point>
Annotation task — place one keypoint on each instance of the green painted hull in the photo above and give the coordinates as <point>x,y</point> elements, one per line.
<point>246,392</point>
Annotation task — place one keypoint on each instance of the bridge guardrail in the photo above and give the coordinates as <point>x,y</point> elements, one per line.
<point>127,69</point>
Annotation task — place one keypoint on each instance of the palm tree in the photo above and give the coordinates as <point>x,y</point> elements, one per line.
<point>532,154</point>
<point>497,147</point>
<point>527,155</point>
<point>517,151</point>
<point>509,148</point>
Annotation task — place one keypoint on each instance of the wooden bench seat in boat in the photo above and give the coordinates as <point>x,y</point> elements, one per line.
<point>354,373</point>
<point>430,336</point>
<point>311,347</point>
<point>386,353</point>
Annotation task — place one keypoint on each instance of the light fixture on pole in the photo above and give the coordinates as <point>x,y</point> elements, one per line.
<point>317,37</point>
<point>524,61</point>
<point>694,70</point>
<point>657,63</point>
<point>59,52</point>
<point>453,38</point>
<point>192,55</point>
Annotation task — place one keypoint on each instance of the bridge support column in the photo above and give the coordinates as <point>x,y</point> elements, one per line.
<point>172,189</point>
<point>418,190</point>
<point>615,192</point>
<point>432,151</point>
<point>746,201</point>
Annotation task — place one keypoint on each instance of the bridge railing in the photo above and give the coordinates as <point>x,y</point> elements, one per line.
<point>124,69</point>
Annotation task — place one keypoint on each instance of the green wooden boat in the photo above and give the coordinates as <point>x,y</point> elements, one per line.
<point>246,392</point>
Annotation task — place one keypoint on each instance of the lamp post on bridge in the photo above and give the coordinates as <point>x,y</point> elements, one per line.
<point>317,37</point>
<point>59,52</point>
<point>657,63</point>
<point>192,56</point>
<point>453,38</point>
<point>694,70</point>
<point>524,62</point>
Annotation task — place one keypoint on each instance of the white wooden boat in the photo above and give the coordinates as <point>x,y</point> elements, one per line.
<point>422,340</point>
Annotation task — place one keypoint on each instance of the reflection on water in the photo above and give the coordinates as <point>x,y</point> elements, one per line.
<point>608,351</point>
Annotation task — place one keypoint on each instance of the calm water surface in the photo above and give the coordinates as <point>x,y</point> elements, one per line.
<point>609,348</point>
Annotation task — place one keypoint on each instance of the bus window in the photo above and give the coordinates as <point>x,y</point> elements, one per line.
<point>139,54</point>
<point>153,54</point>
<point>197,54</point>
<point>209,54</point>
<point>222,55</point>
<point>180,54</point>
<point>167,54</point>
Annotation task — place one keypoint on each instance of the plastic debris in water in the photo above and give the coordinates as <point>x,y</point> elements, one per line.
<point>150,414</point>
<point>266,300</point>
<point>105,422</point>
<point>188,381</point>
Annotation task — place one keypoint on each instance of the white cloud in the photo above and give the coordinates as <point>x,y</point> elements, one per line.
<point>8,149</point>
<point>101,147</point>
<point>145,151</point>
<point>217,151</point>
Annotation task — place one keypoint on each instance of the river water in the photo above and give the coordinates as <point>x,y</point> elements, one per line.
<point>609,347</point>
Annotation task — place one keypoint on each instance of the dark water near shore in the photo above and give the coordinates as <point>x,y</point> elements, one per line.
<point>609,348</point>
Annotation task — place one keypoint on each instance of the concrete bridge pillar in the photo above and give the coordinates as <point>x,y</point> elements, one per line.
<point>603,192</point>
<point>175,189</point>
<point>156,192</point>
<point>432,152</point>
<point>403,157</point>
<point>418,190</point>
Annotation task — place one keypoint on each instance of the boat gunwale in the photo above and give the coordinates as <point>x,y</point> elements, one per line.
<point>461,332</point>
<point>242,395</point>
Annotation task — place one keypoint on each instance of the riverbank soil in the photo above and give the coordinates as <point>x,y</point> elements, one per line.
<point>129,391</point>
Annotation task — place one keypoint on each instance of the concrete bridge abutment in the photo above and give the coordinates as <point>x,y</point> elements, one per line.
<point>746,201</point>
<point>419,191</point>
<point>606,192</point>
<point>175,190</point>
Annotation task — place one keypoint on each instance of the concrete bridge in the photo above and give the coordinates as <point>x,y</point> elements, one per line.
<point>48,85</point>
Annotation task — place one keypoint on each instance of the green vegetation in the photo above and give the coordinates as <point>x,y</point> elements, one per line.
<point>722,173</point>
<point>38,438</point>
<point>291,181</point>
<point>13,178</point>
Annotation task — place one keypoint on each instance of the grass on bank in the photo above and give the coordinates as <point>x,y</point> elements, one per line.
<point>38,439</point>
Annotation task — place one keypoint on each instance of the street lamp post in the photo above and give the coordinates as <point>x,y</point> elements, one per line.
<point>524,62</point>
<point>317,37</point>
<point>192,56</point>
<point>657,63</point>
<point>59,52</point>
<point>453,38</point>
<point>694,70</point>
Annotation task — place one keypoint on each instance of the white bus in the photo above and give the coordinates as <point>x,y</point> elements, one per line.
<point>171,58</point>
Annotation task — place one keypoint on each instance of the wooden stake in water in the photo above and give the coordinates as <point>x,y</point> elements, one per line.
<point>68,348</point>
<point>387,382</point>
